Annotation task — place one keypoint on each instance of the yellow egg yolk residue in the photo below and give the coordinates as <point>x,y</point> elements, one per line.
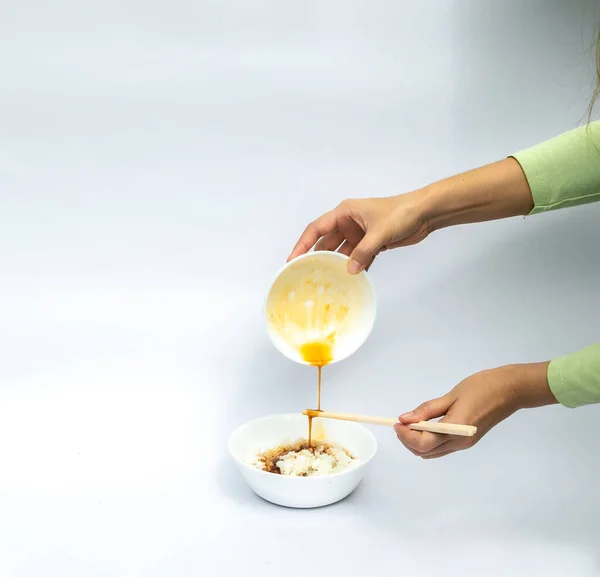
<point>305,313</point>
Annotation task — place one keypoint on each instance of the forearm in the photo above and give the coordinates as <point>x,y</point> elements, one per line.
<point>530,385</point>
<point>561,172</point>
<point>498,190</point>
<point>572,380</point>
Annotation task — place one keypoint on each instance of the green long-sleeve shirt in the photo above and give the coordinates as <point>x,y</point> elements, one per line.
<point>563,172</point>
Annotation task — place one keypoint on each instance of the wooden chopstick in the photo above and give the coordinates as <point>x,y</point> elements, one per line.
<point>431,427</point>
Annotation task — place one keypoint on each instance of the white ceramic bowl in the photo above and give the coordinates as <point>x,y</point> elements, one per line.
<point>314,296</point>
<point>300,492</point>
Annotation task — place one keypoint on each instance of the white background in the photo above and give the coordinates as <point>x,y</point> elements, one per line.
<point>158,161</point>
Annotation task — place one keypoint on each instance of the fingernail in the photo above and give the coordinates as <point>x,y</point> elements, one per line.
<point>409,415</point>
<point>354,267</point>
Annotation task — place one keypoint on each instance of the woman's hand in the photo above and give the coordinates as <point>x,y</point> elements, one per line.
<point>484,400</point>
<point>362,228</point>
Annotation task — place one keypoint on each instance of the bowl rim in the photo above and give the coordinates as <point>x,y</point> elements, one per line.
<point>291,478</point>
<point>313,253</point>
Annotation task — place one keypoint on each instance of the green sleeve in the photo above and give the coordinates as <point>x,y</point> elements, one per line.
<point>564,171</point>
<point>575,379</point>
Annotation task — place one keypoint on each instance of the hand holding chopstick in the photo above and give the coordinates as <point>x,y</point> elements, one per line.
<point>432,427</point>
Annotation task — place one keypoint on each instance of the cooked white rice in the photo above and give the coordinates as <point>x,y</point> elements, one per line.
<point>301,461</point>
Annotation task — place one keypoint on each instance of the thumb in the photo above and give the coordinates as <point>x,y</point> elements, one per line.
<point>428,410</point>
<point>364,252</point>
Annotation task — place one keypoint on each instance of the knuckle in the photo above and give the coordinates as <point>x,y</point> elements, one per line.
<point>346,205</point>
<point>424,406</point>
<point>311,227</point>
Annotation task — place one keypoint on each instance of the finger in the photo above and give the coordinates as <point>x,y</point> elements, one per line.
<point>324,225</point>
<point>371,263</point>
<point>449,445</point>
<point>410,449</point>
<point>429,410</point>
<point>351,230</point>
<point>346,248</point>
<point>421,442</point>
<point>438,455</point>
<point>364,252</point>
<point>330,241</point>
<point>382,249</point>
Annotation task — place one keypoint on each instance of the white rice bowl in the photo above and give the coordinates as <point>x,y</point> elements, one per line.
<point>326,484</point>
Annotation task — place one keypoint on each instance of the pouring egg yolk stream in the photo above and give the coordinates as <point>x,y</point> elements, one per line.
<point>317,354</point>
<point>311,311</point>
<point>314,309</point>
